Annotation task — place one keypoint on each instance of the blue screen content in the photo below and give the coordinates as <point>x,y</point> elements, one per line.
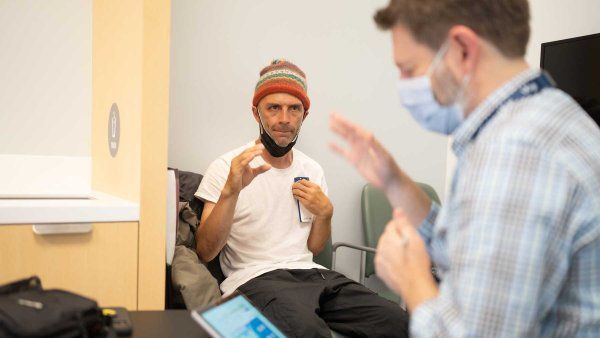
<point>238,318</point>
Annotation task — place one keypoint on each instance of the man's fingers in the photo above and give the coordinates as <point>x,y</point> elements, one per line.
<point>254,148</point>
<point>398,213</point>
<point>300,193</point>
<point>374,144</point>
<point>403,237</point>
<point>390,228</point>
<point>305,202</point>
<point>245,155</point>
<point>394,233</point>
<point>248,157</point>
<point>341,151</point>
<point>346,129</point>
<point>401,220</point>
<point>402,226</point>
<point>305,185</point>
<point>343,126</point>
<point>410,233</point>
<point>301,187</point>
<point>387,240</point>
<point>259,170</point>
<point>302,199</point>
<point>258,146</point>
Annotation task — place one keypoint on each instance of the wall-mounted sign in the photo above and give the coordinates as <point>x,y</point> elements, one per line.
<point>114,130</point>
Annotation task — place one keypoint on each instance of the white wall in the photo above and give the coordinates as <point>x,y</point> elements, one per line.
<point>218,48</point>
<point>553,20</point>
<point>45,72</point>
<point>558,19</point>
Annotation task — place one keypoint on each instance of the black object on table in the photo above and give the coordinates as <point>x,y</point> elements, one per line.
<point>169,323</point>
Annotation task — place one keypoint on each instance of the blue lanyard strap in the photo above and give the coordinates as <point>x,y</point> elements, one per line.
<point>529,88</point>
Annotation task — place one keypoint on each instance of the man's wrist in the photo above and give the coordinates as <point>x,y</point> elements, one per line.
<point>228,191</point>
<point>420,291</point>
<point>394,189</point>
<point>327,214</point>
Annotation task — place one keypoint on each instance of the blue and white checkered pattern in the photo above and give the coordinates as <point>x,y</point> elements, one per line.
<point>517,243</point>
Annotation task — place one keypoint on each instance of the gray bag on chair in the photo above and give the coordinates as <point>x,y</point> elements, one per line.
<point>192,279</point>
<point>189,276</point>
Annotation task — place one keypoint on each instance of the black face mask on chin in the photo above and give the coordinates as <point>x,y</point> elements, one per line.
<point>272,147</point>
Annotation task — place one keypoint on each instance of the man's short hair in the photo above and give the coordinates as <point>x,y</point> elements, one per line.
<point>504,23</point>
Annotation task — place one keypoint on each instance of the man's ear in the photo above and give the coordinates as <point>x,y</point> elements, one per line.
<point>255,113</point>
<point>305,115</point>
<point>464,50</point>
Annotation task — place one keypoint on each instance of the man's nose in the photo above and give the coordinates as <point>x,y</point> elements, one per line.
<point>285,116</point>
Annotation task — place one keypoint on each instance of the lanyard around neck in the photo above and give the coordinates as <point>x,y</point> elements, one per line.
<point>530,88</point>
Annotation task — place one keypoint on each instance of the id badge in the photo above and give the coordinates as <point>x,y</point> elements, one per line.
<point>303,214</point>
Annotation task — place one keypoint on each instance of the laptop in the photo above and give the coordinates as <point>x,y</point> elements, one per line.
<point>235,317</point>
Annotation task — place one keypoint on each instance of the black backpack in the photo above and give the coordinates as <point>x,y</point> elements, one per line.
<point>26,310</point>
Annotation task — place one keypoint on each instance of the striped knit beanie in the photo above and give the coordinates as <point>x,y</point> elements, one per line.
<point>281,76</point>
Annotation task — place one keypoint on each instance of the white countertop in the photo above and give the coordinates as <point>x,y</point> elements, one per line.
<point>100,207</point>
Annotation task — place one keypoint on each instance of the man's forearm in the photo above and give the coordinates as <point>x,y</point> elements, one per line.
<point>214,231</point>
<point>320,233</point>
<point>405,194</point>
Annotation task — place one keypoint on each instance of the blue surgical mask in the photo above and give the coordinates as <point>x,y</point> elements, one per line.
<point>417,97</point>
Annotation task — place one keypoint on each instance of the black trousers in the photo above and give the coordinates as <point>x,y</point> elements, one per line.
<point>306,303</point>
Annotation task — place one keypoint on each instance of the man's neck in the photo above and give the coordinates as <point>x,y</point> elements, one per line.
<point>282,162</point>
<point>492,76</point>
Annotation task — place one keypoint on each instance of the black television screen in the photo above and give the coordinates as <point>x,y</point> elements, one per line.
<point>575,66</point>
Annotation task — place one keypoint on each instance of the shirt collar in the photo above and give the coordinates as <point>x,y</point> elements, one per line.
<point>465,132</point>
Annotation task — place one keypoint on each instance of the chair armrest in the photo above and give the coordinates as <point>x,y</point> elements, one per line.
<point>353,246</point>
<point>363,255</point>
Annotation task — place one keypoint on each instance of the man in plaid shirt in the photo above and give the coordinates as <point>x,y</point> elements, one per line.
<point>517,243</point>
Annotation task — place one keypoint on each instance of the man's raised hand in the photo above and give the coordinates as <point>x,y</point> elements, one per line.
<point>369,157</point>
<point>241,173</point>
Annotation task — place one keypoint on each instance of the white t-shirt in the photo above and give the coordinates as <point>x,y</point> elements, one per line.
<point>266,233</point>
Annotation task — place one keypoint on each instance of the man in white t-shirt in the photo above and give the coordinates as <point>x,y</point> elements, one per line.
<point>267,214</point>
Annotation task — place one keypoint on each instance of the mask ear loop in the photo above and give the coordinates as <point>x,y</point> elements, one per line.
<point>260,124</point>
<point>437,58</point>
<point>460,97</point>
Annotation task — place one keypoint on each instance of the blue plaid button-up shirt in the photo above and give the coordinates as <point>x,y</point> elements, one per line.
<point>517,243</point>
